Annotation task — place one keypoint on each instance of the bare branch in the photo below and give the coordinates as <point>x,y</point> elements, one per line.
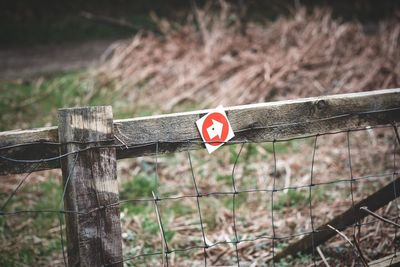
<point>351,243</point>
<point>323,257</point>
<point>379,217</point>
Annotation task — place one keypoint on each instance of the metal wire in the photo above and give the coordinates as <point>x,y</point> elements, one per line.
<point>167,250</point>
<point>310,199</point>
<point>272,204</point>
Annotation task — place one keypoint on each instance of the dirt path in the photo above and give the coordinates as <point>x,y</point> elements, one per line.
<point>31,62</point>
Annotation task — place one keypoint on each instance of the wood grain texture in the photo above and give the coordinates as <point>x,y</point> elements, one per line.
<point>323,233</point>
<point>262,122</point>
<point>255,123</point>
<point>94,239</point>
<point>36,148</point>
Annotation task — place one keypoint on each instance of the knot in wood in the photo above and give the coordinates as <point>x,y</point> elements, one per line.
<point>321,104</point>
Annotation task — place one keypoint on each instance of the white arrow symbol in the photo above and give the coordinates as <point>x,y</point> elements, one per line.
<point>215,129</point>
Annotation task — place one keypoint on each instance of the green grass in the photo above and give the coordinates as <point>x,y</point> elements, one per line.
<point>240,199</point>
<point>284,147</point>
<point>226,179</point>
<point>139,187</point>
<point>34,103</point>
<point>179,209</point>
<point>299,259</point>
<point>293,197</point>
<point>300,198</point>
<point>35,242</point>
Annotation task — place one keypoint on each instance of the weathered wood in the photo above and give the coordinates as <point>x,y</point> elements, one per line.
<point>323,233</point>
<point>388,261</point>
<point>93,239</point>
<point>36,147</point>
<point>262,122</point>
<point>255,123</point>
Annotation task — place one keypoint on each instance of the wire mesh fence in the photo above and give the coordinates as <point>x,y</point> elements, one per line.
<point>244,205</point>
<point>321,199</point>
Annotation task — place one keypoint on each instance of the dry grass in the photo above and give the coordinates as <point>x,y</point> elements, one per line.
<point>298,56</point>
<point>372,157</point>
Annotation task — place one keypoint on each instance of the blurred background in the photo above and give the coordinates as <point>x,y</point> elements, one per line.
<point>154,57</point>
<point>188,54</point>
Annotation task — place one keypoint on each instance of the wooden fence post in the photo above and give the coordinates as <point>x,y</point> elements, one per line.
<point>93,239</point>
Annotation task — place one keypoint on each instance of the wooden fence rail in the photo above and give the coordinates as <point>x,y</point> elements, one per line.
<point>255,123</point>
<point>94,238</point>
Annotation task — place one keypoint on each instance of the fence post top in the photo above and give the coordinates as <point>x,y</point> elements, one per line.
<point>85,108</point>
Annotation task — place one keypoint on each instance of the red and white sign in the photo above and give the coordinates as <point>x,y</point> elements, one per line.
<point>215,129</point>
